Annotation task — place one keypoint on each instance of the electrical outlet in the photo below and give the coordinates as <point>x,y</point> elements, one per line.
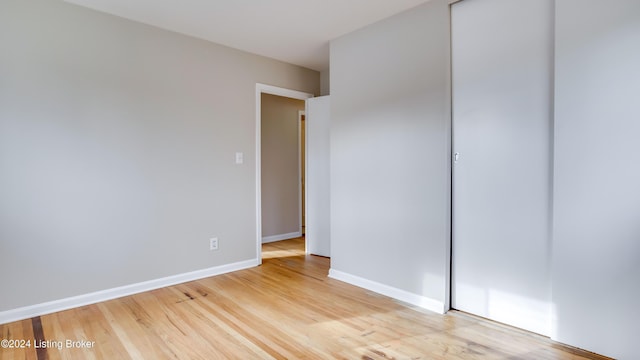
<point>213,244</point>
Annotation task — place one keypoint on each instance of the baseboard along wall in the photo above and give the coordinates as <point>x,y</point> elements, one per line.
<point>114,293</point>
<point>392,292</point>
<point>274,238</point>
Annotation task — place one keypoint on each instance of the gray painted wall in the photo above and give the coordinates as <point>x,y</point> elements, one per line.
<point>325,82</point>
<point>390,173</point>
<point>280,165</point>
<point>596,246</point>
<point>117,149</point>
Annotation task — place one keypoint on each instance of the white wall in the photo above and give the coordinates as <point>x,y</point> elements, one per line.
<point>596,246</point>
<point>117,149</point>
<point>280,167</point>
<point>390,172</point>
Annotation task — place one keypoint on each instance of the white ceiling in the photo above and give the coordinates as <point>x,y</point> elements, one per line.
<point>294,31</point>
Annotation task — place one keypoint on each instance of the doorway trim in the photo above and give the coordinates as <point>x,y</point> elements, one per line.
<point>273,90</point>
<point>302,172</point>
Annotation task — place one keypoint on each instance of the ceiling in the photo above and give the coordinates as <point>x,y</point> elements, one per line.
<point>294,31</point>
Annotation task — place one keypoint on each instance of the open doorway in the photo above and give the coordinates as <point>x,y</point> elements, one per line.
<point>279,158</point>
<point>281,167</point>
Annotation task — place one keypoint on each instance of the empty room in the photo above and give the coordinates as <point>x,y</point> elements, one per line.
<point>322,179</point>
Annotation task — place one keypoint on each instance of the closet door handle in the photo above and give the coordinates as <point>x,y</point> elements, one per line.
<point>456,156</point>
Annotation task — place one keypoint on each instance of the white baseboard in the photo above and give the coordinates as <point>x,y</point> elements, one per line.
<point>114,293</point>
<point>392,292</point>
<point>274,238</point>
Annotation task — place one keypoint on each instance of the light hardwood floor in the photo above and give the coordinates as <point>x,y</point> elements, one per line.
<point>285,309</point>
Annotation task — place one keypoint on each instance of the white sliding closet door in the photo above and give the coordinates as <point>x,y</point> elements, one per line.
<point>502,56</point>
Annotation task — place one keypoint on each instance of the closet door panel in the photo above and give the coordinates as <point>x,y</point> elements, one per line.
<point>502,56</point>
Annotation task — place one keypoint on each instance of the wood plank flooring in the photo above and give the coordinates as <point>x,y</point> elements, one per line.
<point>285,309</point>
